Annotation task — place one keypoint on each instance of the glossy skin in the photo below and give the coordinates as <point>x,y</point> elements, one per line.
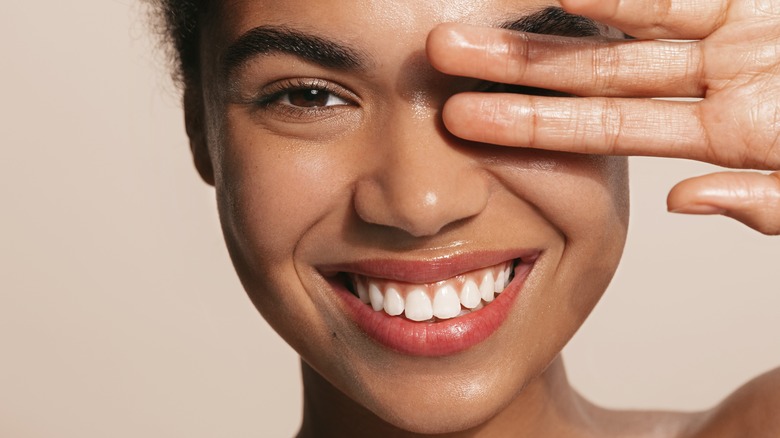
<point>731,65</point>
<point>373,174</point>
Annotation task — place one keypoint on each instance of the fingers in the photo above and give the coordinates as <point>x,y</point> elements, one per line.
<point>588,125</point>
<point>672,19</point>
<point>749,197</point>
<point>583,67</point>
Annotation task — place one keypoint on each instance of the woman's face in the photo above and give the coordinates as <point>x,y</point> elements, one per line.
<point>336,178</point>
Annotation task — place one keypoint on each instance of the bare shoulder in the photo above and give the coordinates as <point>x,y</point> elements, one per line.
<point>753,411</point>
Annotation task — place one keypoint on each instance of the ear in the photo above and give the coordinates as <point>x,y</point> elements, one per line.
<point>196,131</point>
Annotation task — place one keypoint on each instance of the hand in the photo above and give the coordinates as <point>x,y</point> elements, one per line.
<point>733,66</point>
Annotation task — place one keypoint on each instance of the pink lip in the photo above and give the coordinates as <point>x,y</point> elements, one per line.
<point>429,271</point>
<point>431,339</point>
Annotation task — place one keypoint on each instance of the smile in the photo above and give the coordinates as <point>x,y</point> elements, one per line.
<point>435,307</point>
<point>451,298</point>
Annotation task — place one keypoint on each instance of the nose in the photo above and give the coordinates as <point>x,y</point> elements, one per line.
<point>421,181</point>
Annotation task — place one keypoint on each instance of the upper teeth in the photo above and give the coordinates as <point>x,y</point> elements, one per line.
<point>444,299</point>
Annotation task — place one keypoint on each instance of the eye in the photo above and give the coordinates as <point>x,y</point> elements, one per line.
<point>310,98</point>
<point>304,97</point>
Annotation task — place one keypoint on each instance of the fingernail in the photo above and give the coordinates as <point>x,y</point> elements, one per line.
<point>698,209</point>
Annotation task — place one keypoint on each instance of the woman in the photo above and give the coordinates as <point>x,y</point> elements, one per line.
<point>428,239</point>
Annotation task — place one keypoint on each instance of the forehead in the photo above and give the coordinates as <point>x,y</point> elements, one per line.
<point>367,21</point>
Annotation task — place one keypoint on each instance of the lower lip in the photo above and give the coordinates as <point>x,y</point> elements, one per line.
<point>433,339</point>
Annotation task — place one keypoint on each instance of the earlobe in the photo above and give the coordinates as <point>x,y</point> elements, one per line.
<point>196,131</point>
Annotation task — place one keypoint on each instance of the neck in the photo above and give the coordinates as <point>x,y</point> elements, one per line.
<point>547,406</point>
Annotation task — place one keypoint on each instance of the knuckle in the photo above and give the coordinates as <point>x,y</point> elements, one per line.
<point>770,225</point>
<point>695,65</point>
<point>516,57</point>
<point>612,121</point>
<point>661,11</point>
<point>510,122</point>
<point>605,68</point>
<point>533,126</point>
<point>490,111</point>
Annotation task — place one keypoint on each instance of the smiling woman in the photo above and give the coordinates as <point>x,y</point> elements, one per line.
<point>427,277</point>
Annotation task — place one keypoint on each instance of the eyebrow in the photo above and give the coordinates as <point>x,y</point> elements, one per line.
<point>267,40</point>
<point>555,21</point>
<point>333,54</point>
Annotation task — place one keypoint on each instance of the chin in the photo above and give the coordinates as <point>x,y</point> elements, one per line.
<point>442,407</point>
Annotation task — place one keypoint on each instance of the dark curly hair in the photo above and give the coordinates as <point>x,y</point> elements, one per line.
<point>178,23</point>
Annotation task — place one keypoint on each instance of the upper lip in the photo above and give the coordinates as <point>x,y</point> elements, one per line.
<point>430,270</point>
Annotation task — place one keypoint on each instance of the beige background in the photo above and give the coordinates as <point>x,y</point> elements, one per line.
<point>120,315</point>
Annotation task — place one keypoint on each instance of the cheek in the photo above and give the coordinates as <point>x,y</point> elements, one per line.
<point>271,191</point>
<point>585,199</point>
<point>592,199</point>
<point>591,210</point>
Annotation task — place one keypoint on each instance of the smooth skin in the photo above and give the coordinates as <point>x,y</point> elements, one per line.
<point>372,173</point>
<point>733,66</point>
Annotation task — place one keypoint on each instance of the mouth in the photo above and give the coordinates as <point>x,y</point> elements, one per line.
<point>432,302</point>
<point>431,308</point>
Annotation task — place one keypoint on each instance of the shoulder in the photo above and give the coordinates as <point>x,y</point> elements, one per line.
<point>753,411</point>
